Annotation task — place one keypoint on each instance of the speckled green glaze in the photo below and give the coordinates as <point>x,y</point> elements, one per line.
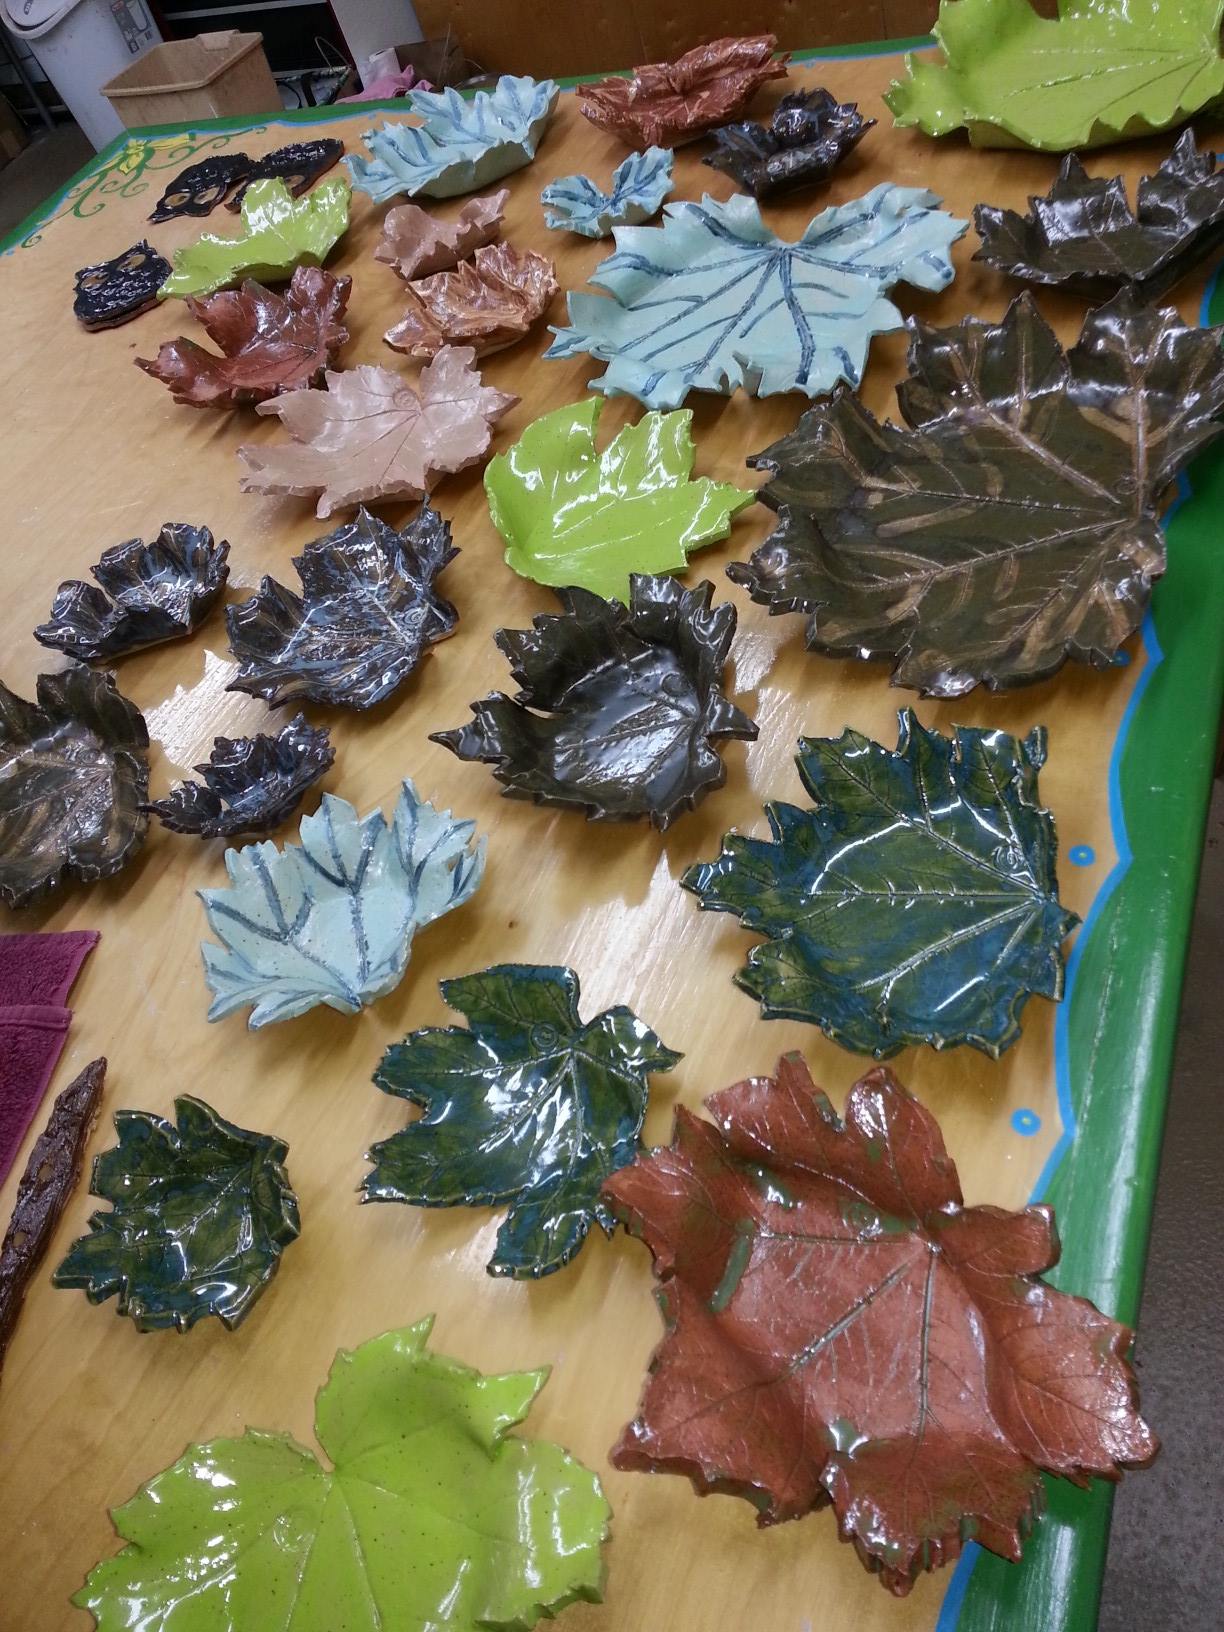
<point>280,233</point>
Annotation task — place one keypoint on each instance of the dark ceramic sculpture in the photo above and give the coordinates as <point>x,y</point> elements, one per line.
<point>251,784</point>
<point>810,133</point>
<point>202,186</point>
<point>299,166</point>
<point>73,780</point>
<point>619,708</point>
<point>147,593</point>
<point>367,613</point>
<point>113,292</point>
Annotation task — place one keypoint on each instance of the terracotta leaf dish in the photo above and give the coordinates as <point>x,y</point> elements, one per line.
<point>620,709</point>
<point>372,435</point>
<point>842,1330</point>
<point>367,614</point>
<point>487,303</point>
<point>269,342</point>
<point>1060,463</point>
<point>530,1106</point>
<point>415,242</point>
<point>144,594</point>
<point>640,183</point>
<point>915,902</point>
<point>113,292</point>
<point>250,784</point>
<point>667,103</point>
<point>332,921</point>
<point>279,234</point>
<point>712,300</point>
<point>811,132</point>
<point>508,1529</point>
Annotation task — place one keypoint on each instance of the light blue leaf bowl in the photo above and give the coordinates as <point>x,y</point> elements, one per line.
<point>464,143</point>
<point>639,186</point>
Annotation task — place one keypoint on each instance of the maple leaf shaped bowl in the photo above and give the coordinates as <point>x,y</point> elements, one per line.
<point>712,300</point>
<point>461,144</point>
<point>73,778</point>
<point>665,104</point>
<point>620,708</point>
<point>915,902</point>
<point>269,342</point>
<point>145,594</point>
<point>279,234</point>
<point>332,921</point>
<point>1082,235</point>
<point>250,784</point>
<point>415,243</point>
<point>841,1328</point>
<point>809,135</point>
<point>367,614</point>
<point>640,183</point>
<point>1060,462</point>
<point>488,303</point>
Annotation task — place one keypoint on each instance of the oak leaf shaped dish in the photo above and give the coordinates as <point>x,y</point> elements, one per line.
<point>916,902</point>
<point>1102,71</point>
<point>463,143</point>
<point>640,183</point>
<point>487,303</point>
<point>1016,522</point>
<point>842,1330</point>
<point>620,709</point>
<point>429,1513</point>
<point>250,784</point>
<point>666,103</point>
<point>109,293</point>
<point>200,1213</point>
<point>415,243</point>
<point>371,435</point>
<point>811,132</point>
<point>298,166</point>
<point>332,920</point>
<point>280,233</point>
<point>367,614</point>
<point>530,1106</point>
<point>145,594</point>
<point>269,342</point>
<point>712,299</point>
<point>574,517</point>
<point>73,779</point>
<point>1082,235</point>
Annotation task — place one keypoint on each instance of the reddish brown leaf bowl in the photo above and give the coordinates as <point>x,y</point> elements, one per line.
<point>668,103</point>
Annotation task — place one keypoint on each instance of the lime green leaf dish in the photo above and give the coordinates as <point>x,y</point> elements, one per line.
<point>1102,71</point>
<point>281,233</point>
<point>431,1514</point>
<point>574,517</point>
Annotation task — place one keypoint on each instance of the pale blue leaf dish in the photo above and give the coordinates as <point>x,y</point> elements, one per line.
<point>464,142</point>
<point>712,299</point>
<point>639,186</point>
<point>332,920</point>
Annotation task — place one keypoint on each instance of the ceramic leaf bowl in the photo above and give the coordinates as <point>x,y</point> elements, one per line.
<point>250,784</point>
<point>145,594</point>
<point>620,709</point>
<point>198,189</point>
<point>640,183</point>
<point>811,132</point>
<point>298,165</point>
<point>461,144</point>
<point>415,243</point>
<point>73,779</point>
<point>367,613</point>
<point>332,920</point>
<point>113,292</point>
<point>666,103</point>
<point>487,303</point>
<point>279,234</point>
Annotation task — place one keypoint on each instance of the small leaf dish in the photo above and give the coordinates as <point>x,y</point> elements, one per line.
<point>250,784</point>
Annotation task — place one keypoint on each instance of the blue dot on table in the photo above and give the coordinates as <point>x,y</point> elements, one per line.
<point>1121,659</point>
<point>1081,855</point>
<point>1026,1123</point>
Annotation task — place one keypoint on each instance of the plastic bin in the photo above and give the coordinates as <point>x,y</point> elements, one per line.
<point>204,78</point>
<point>80,44</point>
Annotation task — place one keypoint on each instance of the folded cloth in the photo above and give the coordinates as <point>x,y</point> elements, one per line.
<point>42,968</point>
<point>387,87</point>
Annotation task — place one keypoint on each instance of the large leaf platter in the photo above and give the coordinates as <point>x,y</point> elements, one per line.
<point>461,144</point>
<point>640,183</point>
<point>280,233</point>
<point>712,299</point>
<point>1102,71</point>
<point>332,921</point>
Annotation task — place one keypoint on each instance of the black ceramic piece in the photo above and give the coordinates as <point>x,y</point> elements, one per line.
<point>809,135</point>
<point>251,784</point>
<point>113,292</point>
<point>299,166</point>
<point>628,699</point>
<point>201,187</point>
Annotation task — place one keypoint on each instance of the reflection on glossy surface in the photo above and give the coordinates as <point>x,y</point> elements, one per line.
<point>628,704</point>
<point>415,243</point>
<point>666,103</point>
<point>640,183</point>
<point>840,1327</point>
<point>810,133</point>
<point>529,1106</point>
<point>916,903</point>
<point>199,188</point>
<point>112,292</point>
<point>432,1514</point>
<point>488,303</point>
<point>279,233</point>
<point>250,785</point>
<point>200,1213</point>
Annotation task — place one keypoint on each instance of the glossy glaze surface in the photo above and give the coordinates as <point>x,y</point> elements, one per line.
<point>199,188</point>
<point>415,243</point>
<point>620,709</point>
<point>332,920</point>
<point>666,103</point>
<point>530,1106</point>
<point>299,165</point>
<point>713,299</point>
<point>811,132</point>
<point>249,784</point>
<point>279,233</point>
<point>487,303</point>
<point>1060,463</point>
<point>640,183</point>
<point>112,292</point>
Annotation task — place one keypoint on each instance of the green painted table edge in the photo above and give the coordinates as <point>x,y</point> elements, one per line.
<point>1118,1023</point>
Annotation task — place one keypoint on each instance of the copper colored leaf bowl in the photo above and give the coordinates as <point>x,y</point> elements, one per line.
<point>487,303</point>
<point>415,242</point>
<point>667,103</point>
